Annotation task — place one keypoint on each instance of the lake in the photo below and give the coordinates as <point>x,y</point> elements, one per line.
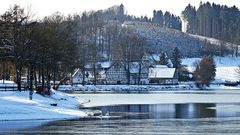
<point>161,118</point>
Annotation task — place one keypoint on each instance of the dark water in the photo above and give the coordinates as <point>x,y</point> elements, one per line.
<point>148,119</point>
<point>161,111</point>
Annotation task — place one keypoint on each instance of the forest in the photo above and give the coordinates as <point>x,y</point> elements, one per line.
<point>213,20</point>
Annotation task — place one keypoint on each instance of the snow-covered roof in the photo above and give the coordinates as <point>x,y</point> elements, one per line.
<point>134,67</point>
<point>161,72</point>
<point>105,64</point>
<point>160,66</point>
<point>75,72</point>
<point>156,57</point>
<point>88,66</point>
<point>102,72</point>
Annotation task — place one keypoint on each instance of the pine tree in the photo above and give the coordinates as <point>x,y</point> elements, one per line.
<point>163,59</point>
<point>176,58</point>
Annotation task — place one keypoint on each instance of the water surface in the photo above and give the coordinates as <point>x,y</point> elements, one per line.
<point>196,116</point>
<point>149,119</point>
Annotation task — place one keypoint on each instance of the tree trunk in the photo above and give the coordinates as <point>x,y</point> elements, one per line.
<point>18,77</point>
<point>83,76</point>
<point>43,80</point>
<point>28,77</point>
<point>54,77</point>
<point>31,82</point>
<point>94,74</point>
<point>139,72</point>
<point>236,51</point>
<point>128,74</point>
<point>35,78</point>
<point>48,81</point>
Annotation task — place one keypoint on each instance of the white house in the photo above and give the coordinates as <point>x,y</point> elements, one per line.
<point>117,73</point>
<point>101,68</point>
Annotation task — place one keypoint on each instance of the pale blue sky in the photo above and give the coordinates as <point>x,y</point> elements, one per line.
<point>134,7</point>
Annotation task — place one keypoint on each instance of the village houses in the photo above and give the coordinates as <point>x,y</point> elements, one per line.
<point>145,71</point>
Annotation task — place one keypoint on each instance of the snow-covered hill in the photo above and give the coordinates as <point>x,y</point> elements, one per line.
<point>215,41</point>
<point>226,67</point>
<point>165,39</point>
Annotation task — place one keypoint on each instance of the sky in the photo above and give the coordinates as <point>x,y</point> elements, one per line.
<point>133,7</point>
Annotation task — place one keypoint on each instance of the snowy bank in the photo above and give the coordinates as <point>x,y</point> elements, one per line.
<point>16,105</point>
<point>122,88</point>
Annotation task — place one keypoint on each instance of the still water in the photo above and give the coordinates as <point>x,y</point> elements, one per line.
<point>149,119</point>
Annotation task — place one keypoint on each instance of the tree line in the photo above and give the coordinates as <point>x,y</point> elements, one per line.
<point>167,19</point>
<point>213,20</point>
<point>162,19</point>
<point>44,48</point>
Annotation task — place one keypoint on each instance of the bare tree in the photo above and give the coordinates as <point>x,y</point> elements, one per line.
<point>129,48</point>
<point>14,35</point>
<point>205,72</point>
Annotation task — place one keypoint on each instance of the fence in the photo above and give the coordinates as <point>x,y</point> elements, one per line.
<point>10,87</point>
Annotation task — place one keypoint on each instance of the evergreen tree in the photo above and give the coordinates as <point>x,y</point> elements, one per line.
<point>213,20</point>
<point>183,73</point>
<point>176,58</point>
<point>163,59</point>
<point>189,15</point>
<point>205,72</point>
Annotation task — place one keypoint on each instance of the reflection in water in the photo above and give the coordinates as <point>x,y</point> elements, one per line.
<point>160,111</point>
<point>149,119</point>
<point>194,111</point>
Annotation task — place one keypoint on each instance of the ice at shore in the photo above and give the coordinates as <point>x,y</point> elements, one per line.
<point>170,97</point>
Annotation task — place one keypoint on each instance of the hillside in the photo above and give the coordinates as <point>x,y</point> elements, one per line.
<point>215,41</point>
<point>165,39</point>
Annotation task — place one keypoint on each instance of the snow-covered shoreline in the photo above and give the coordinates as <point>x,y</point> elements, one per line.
<point>16,106</point>
<point>116,88</point>
<point>121,87</point>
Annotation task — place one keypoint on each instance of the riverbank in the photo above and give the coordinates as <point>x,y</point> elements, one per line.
<point>16,106</point>
<point>184,86</point>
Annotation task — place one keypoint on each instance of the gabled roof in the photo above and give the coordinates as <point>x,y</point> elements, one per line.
<point>75,72</point>
<point>160,66</point>
<point>105,64</point>
<point>161,72</point>
<point>153,58</point>
<point>134,67</point>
